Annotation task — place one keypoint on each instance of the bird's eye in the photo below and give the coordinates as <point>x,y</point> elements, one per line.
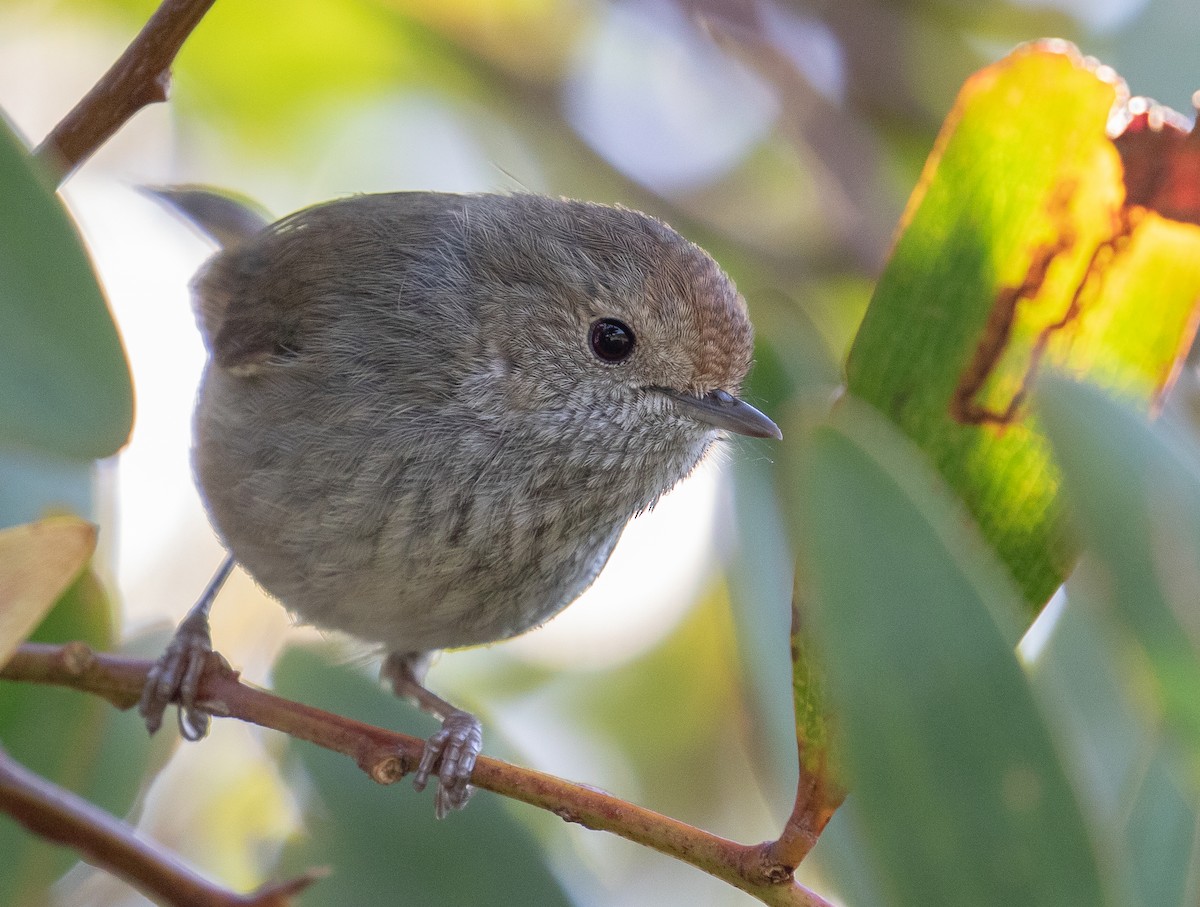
<point>612,340</point>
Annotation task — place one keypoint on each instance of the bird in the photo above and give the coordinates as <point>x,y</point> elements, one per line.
<point>426,418</point>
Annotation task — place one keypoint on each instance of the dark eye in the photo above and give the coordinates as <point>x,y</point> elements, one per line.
<point>612,340</point>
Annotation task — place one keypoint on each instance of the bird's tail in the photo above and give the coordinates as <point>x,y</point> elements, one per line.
<point>224,217</point>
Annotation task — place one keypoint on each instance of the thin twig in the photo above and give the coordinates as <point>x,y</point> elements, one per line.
<point>818,791</point>
<point>104,841</point>
<point>140,76</point>
<point>386,756</point>
<point>817,798</point>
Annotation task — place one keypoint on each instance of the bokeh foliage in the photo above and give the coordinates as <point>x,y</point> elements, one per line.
<point>1075,762</point>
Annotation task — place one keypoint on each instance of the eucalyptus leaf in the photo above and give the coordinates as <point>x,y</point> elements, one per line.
<point>64,382</point>
<point>961,791</point>
<point>1017,252</point>
<point>38,562</point>
<point>1123,763</point>
<point>1134,490</point>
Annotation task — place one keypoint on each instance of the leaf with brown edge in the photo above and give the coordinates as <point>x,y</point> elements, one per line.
<point>38,562</point>
<point>1019,251</point>
<point>1161,156</point>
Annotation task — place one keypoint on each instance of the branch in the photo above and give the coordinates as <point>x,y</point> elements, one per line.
<point>387,756</point>
<point>818,791</point>
<point>104,841</point>
<point>817,799</point>
<point>140,77</point>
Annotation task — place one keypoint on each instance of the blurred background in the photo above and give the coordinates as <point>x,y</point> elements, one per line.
<point>782,136</point>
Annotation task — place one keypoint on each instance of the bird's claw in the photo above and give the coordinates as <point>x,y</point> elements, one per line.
<point>175,677</point>
<point>451,752</point>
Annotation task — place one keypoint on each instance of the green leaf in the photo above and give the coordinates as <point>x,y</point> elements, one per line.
<point>1162,836</point>
<point>1122,763</point>
<point>383,843</point>
<point>1016,252</point>
<point>962,796</point>
<point>1135,493</point>
<point>64,381</point>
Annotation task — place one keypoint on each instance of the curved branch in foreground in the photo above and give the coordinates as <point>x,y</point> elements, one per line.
<point>104,841</point>
<point>387,756</point>
<point>817,798</point>
<point>140,77</point>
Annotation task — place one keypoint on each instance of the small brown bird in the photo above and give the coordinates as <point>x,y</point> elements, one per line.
<point>427,418</point>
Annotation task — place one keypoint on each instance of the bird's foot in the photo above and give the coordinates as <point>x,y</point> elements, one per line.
<point>175,677</point>
<point>449,756</point>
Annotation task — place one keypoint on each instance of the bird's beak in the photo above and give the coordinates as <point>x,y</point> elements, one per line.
<point>724,410</point>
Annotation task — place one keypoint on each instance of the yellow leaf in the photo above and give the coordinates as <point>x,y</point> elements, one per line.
<point>38,562</point>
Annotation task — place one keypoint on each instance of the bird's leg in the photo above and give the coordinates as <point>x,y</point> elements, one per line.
<point>175,677</point>
<point>450,753</point>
